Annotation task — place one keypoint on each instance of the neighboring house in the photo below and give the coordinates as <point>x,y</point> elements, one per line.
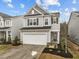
<point>73,26</point>
<point>5,26</point>
<point>10,26</point>
<point>40,27</point>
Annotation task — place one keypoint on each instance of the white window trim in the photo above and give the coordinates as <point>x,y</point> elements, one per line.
<point>33,20</point>
<point>55,20</point>
<point>33,12</point>
<point>8,23</point>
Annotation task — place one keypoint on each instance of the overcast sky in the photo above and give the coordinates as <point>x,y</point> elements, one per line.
<point>20,7</point>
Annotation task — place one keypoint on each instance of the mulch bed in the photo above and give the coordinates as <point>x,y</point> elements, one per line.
<point>58,52</point>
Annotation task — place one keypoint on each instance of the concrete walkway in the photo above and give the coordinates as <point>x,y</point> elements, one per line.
<point>24,52</point>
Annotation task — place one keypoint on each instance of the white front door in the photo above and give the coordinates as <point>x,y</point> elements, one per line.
<point>37,38</point>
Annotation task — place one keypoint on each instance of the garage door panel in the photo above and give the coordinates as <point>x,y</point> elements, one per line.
<point>40,39</point>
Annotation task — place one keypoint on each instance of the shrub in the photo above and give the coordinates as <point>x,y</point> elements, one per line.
<point>9,40</point>
<point>2,41</point>
<point>63,43</point>
<point>16,41</point>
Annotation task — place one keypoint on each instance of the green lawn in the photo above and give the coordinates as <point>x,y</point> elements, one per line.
<point>4,48</point>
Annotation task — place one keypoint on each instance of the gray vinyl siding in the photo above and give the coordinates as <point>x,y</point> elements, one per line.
<point>73,27</point>
<point>16,25</point>
<point>41,20</point>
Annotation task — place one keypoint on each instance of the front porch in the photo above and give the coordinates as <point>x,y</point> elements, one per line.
<point>4,36</point>
<point>54,39</point>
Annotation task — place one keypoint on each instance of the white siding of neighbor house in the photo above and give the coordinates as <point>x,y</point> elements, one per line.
<point>6,31</point>
<point>9,23</point>
<point>16,26</point>
<point>73,26</point>
<point>1,22</point>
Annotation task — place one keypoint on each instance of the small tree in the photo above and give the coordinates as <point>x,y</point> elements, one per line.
<point>64,32</point>
<point>9,39</point>
<point>16,41</point>
<point>2,41</point>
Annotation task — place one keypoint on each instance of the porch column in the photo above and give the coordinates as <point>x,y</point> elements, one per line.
<point>49,37</point>
<point>58,37</point>
<point>6,35</point>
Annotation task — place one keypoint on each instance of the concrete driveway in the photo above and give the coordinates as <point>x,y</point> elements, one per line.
<point>24,52</point>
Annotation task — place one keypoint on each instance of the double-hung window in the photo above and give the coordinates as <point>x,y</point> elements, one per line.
<point>54,36</point>
<point>46,21</point>
<point>0,23</point>
<point>55,20</point>
<point>33,21</point>
<point>30,21</point>
<point>7,22</point>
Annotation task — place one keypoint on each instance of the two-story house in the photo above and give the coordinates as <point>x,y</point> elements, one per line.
<point>5,26</point>
<point>40,27</point>
<point>36,27</point>
<point>10,27</point>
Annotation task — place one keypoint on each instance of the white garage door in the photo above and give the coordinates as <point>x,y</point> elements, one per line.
<point>39,39</point>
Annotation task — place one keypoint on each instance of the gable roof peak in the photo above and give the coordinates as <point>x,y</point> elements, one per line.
<point>38,9</point>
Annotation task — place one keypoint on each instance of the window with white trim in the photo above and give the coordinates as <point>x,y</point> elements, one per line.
<point>54,20</point>
<point>33,21</point>
<point>30,21</point>
<point>0,23</point>
<point>55,36</point>
<point>8,22</point>
<point>46,21</point>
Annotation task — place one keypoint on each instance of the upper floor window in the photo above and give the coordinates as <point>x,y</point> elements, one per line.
<point>8,22</point>
<point>46,21</point>
<point>33,21</point>
<point>0,23</point>
<point>30,21</point>
<point>54,20</point>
